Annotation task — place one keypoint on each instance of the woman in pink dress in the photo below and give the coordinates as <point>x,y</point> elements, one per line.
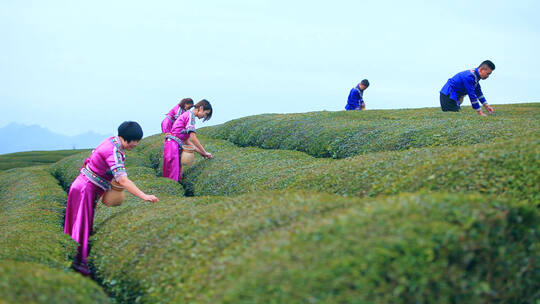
<point>104,163</point>
<point>184,105</point>
<point>183,131</point>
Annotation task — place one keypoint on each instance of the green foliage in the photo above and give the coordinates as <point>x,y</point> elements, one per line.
<point>287,247</point>
<point>34,252</point>
<point>26,282</point>
<point>31,218</point>
<point>67,169</point>
<point>348,133</point>
<point>286,227</point>
<point>503,167</point>
<point>404,249</point>
<point>33,158</point>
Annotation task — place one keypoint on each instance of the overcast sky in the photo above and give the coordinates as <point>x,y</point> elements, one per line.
<point>74,66</point>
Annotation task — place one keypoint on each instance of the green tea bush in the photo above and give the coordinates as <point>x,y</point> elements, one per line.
<point>288,247</point>
<point>404,249</point>
<point>504,167</point>
<point>67,169</point>
<point>348,133</point>
<point>33,158</point>
<point>26,282</point>
<point>34,251</point>
<point>31,219</point>
<point>162,256</point>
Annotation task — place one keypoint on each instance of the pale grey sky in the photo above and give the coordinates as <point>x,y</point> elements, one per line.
<point>74,66</point>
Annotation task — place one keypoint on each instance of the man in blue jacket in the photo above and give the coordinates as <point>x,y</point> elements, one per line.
<point>356,97</point>
<point>467,83</point>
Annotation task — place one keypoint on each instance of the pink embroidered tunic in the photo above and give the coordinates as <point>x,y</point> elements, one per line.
<point>170,118</point>
<point>104,163</point>
<point>174,141</point>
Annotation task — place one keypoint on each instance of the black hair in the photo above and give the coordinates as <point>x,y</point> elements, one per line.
<point>205,104</point>
<point>130,130</point>
<point>185,101</point>
<point>487,64</point>
<point>365,82</point>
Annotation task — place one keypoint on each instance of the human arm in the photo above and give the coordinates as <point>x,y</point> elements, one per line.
<point>198,147</point>
<point>470,87</point>
<point>125,182</point>
<point>483,100</point>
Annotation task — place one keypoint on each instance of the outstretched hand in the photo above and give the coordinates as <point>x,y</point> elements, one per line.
<point>151,198</point>
<point>489,109</point>
<point>208,155</point>
<point>481,113</point>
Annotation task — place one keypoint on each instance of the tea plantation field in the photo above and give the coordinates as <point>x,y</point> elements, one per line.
<point>33,158</point>
<point>401,206</point>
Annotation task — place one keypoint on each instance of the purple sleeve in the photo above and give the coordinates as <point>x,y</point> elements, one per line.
<point>173,111</point>
<point>189,122</point>
<point>115,161</point>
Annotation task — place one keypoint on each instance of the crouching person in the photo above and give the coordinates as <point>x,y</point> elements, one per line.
<point>103,165</point>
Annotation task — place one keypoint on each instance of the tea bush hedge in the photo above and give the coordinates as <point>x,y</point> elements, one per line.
<point>348,133</point>
<point>27,282</point>
<point>31,218</point>
<point>503,167</point>
<point>404,249</point>
<point>290,247</point>
<point>35,254</point>
<point>33,158</point>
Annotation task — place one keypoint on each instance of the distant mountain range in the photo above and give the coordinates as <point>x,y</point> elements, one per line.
<point>18,137</point>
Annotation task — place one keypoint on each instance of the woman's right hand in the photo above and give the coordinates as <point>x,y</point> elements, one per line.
<point>208,155</point>
<point>151,198</point>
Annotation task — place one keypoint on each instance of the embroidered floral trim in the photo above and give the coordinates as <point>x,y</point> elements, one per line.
<point>96,179</point>
<point>176,139</point>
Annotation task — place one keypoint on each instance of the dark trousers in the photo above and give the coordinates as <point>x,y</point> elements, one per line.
<point>448,104</point>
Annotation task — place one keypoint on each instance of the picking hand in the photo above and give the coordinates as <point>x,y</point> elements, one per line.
<point>208,155</point>
<point>151,198</point>
<point>489,109</point>
<point>481,113</point>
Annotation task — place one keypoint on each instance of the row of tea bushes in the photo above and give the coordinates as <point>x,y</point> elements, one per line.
<point>33,158</point>
<point>35,254</point>
<point>404,249</point>
<point>28,282</point>
<point>32,208</point>
<point>348,133</point>
<point>507,167</point>
<point>294,247</point>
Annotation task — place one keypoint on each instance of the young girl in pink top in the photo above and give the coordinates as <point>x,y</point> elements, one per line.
<point>184,105</point>
<point>182,131</point>
<point>104,163</point>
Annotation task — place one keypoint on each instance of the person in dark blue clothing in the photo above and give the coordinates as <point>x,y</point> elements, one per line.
<point>467,83</point>
<point>356,97</point>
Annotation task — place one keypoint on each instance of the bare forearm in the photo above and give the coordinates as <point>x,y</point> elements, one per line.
<point>131,187</point>
<point>195,141</point>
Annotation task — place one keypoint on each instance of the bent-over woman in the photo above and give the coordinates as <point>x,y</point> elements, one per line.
<point>105,163</point>
<point>183,132</point>
<point>183,106</point>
